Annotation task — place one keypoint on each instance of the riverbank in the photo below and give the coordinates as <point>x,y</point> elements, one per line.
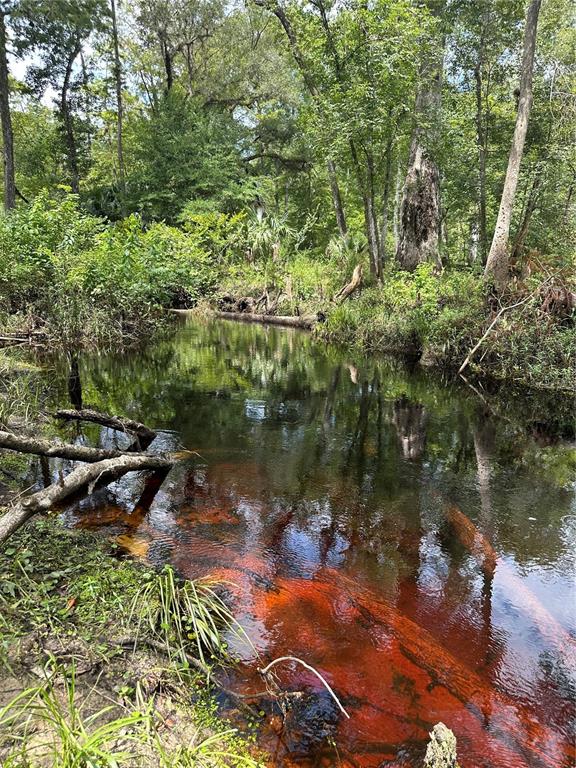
<point>79,678</point>
<point>108,286</point>
<point>437,320</point>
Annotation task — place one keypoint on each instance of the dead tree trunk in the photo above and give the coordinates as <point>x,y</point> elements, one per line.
<point>54,449</point>
<point>420,214</point>
<point>498,259</point>
<point>135,428</point>
<point>420,207</point>
<point>80,477</point>
<point>353,285</point>
<point>6,118</point>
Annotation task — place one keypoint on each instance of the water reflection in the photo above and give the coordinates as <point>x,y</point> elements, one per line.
<point>355,507</point>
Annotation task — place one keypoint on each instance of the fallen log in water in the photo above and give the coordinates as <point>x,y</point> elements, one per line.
<point>55,449</point>
<point>113,422</point>
<point>481,549</point>
<point>297,321</point>
<point>512,721</point>
<point>81,476</point>
<point>471,538</point>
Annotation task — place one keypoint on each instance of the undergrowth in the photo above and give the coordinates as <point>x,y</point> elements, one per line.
<point>66,602</point>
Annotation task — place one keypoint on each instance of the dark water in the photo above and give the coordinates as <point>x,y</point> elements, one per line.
<point>347,500</point>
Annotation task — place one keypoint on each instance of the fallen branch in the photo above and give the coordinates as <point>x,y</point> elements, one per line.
<point>81,476</point>
<point>297,321</point>
<point>485,335</point>
<point>129,426</point>
<point>353,285</point>
<point>266,669</point>
<point>56,449</point>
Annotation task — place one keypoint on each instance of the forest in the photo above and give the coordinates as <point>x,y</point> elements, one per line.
<point>287,368</point>
<point>197,151</point>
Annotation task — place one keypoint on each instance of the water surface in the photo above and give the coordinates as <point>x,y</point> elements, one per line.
<point>321,485</point>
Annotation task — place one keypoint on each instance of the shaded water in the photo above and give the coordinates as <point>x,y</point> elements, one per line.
<point>321,486</point>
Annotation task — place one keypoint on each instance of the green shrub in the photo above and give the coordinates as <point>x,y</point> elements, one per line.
<point>88,281</point>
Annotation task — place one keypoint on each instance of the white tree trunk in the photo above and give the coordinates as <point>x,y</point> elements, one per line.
<point>497,263</point>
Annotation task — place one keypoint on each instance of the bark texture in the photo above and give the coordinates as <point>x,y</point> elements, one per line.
<point>113,422</point>
<point>54,449</point>
<point>6,119</point>
<point>348,289</point>
<point>299,321</point>
<point>81,476</point>
<point>420,217</point>
<point>497,265</point>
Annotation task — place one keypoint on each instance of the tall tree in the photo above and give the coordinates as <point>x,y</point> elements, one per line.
<point>119,105</point>
<point>498,258</point>
<point>6,118</point>
<point>314,92</point>
<point>420,216</point>
<point>55,34</point>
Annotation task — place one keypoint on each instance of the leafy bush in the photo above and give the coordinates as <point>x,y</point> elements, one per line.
<point>85,280</point>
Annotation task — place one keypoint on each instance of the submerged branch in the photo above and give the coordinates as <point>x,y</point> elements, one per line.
<point>280,659</point>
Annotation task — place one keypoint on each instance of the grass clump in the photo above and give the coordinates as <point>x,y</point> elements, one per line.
<point>186,616</point>
<point>67,608</point>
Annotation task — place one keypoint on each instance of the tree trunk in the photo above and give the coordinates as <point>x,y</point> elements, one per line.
<point>397,206</point>
<point>497,263</point>
<point>353,285</point>
<point>119,104</point>
<point>419,211</point>
<point>53,449</point>
<point>167,60</point>
<point>420,207</point>
<point>80,477</point>
<point>337,198</point>
<point>531,205</point>
<point>7,135</point>
<point>113,422</point>
<point>481,139</point>
<point>385,203</point>
<point>66,116</point>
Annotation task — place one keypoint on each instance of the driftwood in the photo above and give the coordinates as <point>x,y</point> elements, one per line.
<point>298,321</point>
<point>56,449</point>
<point>85,475</point>
<point>144,434</point>
<point>348,289</point>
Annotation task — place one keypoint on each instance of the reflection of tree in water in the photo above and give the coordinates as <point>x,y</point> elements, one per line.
<point>410,421</point>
